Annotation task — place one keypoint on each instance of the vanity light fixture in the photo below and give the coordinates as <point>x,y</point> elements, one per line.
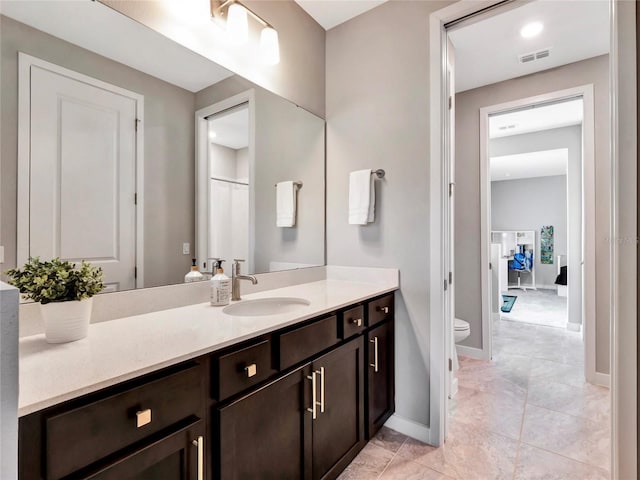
<point>234,16</point>
<point>531,29</point>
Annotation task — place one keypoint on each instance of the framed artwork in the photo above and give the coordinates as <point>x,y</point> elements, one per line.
<point>546,245</point>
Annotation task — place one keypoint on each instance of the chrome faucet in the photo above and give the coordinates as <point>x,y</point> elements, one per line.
<point>236,277</point>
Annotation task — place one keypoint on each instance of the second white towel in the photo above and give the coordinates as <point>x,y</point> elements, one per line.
<point>285,204</point>
<point>362,197</point>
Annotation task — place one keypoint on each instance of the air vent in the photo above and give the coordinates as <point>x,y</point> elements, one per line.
<point>533,56</point>
<point>507,127</point>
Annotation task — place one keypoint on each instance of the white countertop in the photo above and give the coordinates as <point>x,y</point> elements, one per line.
<point>126,348</point>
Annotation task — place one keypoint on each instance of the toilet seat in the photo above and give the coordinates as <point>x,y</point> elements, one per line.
<point>460,325</point>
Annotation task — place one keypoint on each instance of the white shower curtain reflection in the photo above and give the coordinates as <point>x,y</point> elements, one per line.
<point>229,221</point>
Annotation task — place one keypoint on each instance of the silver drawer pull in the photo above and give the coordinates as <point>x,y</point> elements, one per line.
<point>200,444</point>
<point>374,340</point>
<point>251,370</point>
<point>384,310</point>
<point>143,417</point>
<point>321,372</point>
<point>357,322</point>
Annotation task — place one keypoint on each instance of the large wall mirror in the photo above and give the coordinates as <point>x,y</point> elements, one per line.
<point>132,152</point>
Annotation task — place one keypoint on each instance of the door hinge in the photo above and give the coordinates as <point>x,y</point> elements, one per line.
<point>135,198</point>
<point>136,122</point>
<point>135,272</point>
<point>450,102</point>
<point>450,278</point>
<point>451,188</point>
<point>445,284</point>
<point>450,365</point>
<point>490,266</point>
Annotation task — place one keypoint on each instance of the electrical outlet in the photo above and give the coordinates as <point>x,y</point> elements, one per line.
<point>186,249</point>
<point>1,254</point>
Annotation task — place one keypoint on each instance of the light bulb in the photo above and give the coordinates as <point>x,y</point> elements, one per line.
<point>237,25</point>
<point>531,29</point>
<point>269,46</point>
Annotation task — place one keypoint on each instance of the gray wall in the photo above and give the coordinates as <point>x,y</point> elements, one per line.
<point>378,117</point>
<point>467,221</point>
<point>168,142</point>
<point>527,204</point>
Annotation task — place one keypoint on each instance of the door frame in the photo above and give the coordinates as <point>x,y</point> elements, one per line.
<point>624,209</point>
<point>25,62</point>
<point>203,174</point>
<point>588,230</point>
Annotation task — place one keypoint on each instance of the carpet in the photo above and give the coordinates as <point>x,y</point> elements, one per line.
<point>507,303</point>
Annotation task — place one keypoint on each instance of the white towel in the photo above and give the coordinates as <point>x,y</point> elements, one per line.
<point>285,204</point>
<point>362,197</point>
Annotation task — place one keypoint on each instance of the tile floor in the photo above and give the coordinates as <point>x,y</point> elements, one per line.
<point>541,307</point>
<point>527,414</point>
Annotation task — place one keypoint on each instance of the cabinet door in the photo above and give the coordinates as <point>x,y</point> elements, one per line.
<point>338,429</point>
<point>380,381</point>
<point>262,434</point>
<point>176,456</point>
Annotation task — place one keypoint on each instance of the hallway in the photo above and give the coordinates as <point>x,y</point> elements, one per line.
<point>527,414</point>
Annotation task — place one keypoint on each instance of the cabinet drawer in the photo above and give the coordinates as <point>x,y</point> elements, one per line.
<point>241,369</point>
<point>352,322</point>
<point>304,342</point>
<point>380,310</point>
<point>78,437</point>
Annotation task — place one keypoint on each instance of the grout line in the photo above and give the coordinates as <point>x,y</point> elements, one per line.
<point>565,457</point>
<point>395,454</point>
<point>524,413</point>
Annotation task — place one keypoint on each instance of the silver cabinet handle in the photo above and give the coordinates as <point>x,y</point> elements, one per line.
<point>143,417</point>
<point>383,309</point>
<point>312,409</point>
<point>357,322</point>
<point>199,442</point>
<point>321,372</point>
<point>374,340</point>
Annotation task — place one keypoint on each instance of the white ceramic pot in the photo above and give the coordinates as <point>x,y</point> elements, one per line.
<point>66,321</point>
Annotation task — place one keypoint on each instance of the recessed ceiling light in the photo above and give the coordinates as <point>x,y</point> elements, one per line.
<point>531,29</point>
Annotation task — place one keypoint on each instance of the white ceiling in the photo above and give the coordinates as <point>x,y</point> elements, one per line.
<point>330,13</point>
<point>487,51</point>
<point>88,24</point>
<point>545,163</point>
<point>536,118</point>
<point>231,129</point>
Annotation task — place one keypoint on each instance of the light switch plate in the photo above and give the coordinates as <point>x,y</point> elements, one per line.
<point>186,249</point>
<point>1,254</point>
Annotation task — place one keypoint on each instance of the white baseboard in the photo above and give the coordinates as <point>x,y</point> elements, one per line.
<point>472,352</point>
<point>574,327</point>
<point>602,379</point>
<point>409,428</point>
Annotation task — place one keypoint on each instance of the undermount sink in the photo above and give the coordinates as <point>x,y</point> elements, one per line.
<point>266,306</point>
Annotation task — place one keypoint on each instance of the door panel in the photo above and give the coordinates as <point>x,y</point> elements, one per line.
<point>381,376</point>
<point>83,174</point>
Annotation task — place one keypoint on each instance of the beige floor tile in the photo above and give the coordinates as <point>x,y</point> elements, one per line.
<point>589,401</point>
<point>536,464</point>
<point>558,372</point>
<point>469,453</point>
<point>389,439</point>
<point>575,437</point>
<point>369,464</point>
<point>402,468</point>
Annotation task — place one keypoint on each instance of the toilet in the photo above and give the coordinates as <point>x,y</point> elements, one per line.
<point>461,330</point>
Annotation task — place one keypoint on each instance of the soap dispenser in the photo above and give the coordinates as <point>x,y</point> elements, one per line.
<point>194,275</point>
<point>220,287</point>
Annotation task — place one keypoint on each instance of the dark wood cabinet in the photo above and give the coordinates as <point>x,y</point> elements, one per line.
<point>380,376</point>
<point>297,403</point>
<point>338,429</point>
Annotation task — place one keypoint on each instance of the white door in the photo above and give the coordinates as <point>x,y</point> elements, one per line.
<point>82,175</point>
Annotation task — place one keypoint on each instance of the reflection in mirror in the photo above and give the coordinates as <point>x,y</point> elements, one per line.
<point>229,186</point>
<point>98,159</point>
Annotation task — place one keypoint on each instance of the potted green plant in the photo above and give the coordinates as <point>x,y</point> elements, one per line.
<point>64,293</point>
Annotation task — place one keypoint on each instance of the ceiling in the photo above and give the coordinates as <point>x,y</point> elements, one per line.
<point>487,51</point>
<point>536,118</point>
<point>231,129</point>
<point>330,13</point>
<point>544,163</point>
<point>129,42</point>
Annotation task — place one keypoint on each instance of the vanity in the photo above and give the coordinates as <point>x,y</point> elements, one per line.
<point>214,396</point>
